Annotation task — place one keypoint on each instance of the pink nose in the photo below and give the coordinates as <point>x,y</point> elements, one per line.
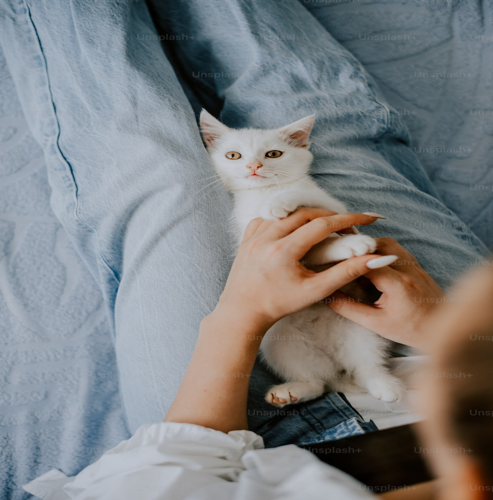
<point>255,165</point>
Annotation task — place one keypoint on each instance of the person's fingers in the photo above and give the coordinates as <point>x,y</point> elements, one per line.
<point>348,230</point>
<point>352,309</point>
<point>322,284</point>
<point>305,237</point>
<point>406,263</point>
<point>259,227</point>
<point>264,227</point>
<point>298,218</point>
<point>252,228</point>
<point>386,279</point>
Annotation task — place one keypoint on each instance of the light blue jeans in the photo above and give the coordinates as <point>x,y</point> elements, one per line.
<point>113,110</point>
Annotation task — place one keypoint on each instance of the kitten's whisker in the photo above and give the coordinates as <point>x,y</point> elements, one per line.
<point>295,177</point>
<point>213,176</point>
<point>211,179</point>
<point>285,172</point>
<point>278,184</point>
<point>210,185</point>
<point>300,180</point>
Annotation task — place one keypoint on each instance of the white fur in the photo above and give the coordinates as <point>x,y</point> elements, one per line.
<point>315,349</point>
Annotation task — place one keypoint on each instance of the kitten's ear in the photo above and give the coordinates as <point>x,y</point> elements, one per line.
<point>212,129</point>
<point>298,133</point>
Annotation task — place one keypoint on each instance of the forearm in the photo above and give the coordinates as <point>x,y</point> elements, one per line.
<point>214,391</point>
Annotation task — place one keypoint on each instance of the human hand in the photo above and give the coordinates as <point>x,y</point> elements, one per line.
<point>409,295</point>
<point>267,281</point>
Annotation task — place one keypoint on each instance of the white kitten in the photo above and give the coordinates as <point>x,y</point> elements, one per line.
<point>315,349</point>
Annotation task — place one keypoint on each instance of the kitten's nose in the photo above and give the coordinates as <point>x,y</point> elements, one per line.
<point>254,166</point>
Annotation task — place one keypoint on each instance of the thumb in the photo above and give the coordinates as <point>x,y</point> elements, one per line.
<point>334,278</point>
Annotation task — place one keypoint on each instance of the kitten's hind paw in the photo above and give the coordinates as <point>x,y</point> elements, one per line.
<point>386,388</point>
<point>294,392</point>
<point>280,398</point>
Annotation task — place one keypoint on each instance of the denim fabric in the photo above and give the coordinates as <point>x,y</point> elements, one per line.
<point>130,175</point>
<point>326,418</point>
<point>433,62</point>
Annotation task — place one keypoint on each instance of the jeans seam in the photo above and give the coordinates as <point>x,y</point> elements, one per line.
<point>56,138</point>
<point>313,421</point>
<point>336,401</point>
<point>346,404</point>
<point>374,96</point>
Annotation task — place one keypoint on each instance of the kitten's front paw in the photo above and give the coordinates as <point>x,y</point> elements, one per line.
<point>278,209</point>
<point>351,246</point>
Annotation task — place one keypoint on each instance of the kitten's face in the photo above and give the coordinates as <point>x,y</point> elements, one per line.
<point>252,158</point>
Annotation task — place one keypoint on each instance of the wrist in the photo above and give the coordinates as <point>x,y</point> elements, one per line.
<point>238,325</point>
<point>250,318</point>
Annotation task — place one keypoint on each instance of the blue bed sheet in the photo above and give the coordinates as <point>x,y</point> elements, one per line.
<point>59,400</point>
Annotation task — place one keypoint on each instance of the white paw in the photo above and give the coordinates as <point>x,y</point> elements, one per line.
<point>386,388</point>
<point>353,246</point>
<point>278,208</point>
<point>294,392</point>
<point>281,395</point>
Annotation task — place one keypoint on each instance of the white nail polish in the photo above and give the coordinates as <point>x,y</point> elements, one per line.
<point>373,214</point>
<point>381,261</point>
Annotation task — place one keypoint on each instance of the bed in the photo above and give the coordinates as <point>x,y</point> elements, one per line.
<point>59,398</point>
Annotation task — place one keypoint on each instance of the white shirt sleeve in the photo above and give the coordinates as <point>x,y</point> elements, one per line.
<point>171,461</point>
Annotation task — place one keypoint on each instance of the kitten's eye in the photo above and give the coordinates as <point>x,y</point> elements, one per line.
<point>233,155</point>
<point>273,154</point>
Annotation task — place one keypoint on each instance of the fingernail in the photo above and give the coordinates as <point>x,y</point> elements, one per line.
<point>373,214</point>
<point>381,261</point>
